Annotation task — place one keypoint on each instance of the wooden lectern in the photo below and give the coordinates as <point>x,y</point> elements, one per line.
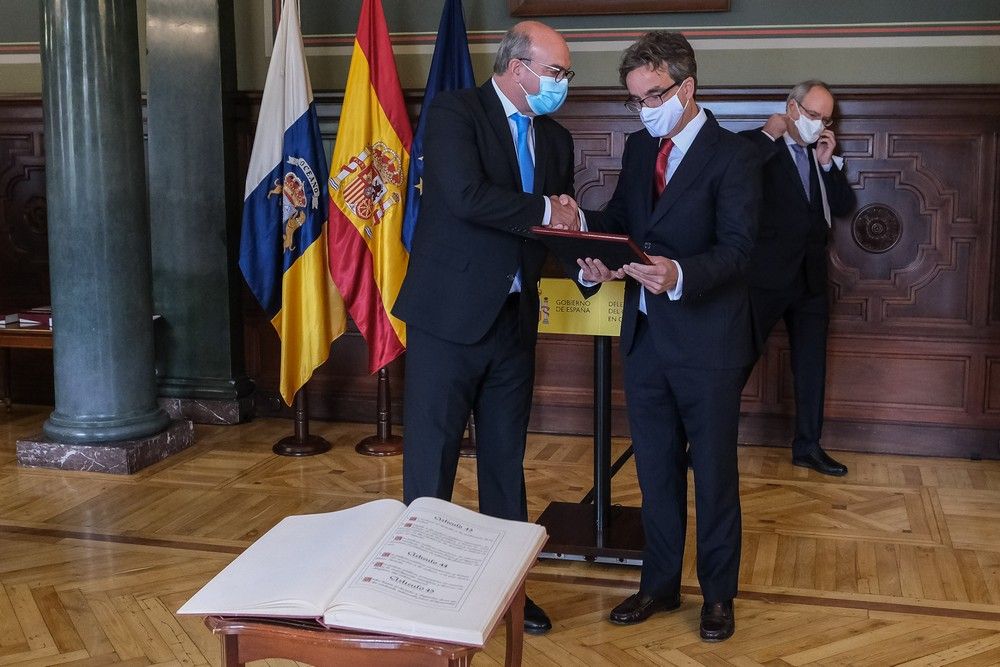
<point>245,639</point>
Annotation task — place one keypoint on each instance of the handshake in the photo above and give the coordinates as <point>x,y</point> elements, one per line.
<point>565,213</point>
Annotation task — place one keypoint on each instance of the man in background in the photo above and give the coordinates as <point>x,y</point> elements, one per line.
<point>492,159</point>
<point>804,186</point>
<point>688,193</point>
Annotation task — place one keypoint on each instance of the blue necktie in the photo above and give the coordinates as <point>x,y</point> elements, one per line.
<point>524,161</point>
<point>802,164</point>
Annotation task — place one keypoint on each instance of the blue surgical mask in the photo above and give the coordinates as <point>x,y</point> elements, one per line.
<point>550,95</point>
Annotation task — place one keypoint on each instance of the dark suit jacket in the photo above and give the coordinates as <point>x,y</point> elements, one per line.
<point>472,233</point>
<point>793,233</point>
<point>706,219</point>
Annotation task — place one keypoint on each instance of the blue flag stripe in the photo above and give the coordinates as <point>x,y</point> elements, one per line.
<point>266,210</point>
<point>451,69</point>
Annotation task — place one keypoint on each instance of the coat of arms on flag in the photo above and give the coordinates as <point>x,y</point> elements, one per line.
<point>371,182</point>
<point>294,199</point>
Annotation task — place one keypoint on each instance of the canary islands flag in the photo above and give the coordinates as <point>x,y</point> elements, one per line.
<point>283,249</point>
<point>451,68</point>
<point>368,190</point>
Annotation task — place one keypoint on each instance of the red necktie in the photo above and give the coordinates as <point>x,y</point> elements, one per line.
<point>660,177</point>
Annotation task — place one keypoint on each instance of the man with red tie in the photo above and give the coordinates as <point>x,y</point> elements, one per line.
<point>688,193</point>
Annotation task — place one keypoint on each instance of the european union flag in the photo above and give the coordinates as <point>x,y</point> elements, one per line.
<point>451,68</point>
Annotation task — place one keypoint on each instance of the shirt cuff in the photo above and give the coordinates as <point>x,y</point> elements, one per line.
<point>547,217</point>
<point>583,220</point>
<point>768,136</point>
<point>835,160</point>
<point>678,291</point>
<point>585,283</point>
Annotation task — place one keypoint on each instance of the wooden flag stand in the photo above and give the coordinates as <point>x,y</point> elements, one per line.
<point>301,444</point>
<point>383,443</point>
<point>468,448</point>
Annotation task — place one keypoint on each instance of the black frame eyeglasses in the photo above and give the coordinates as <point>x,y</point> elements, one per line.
<point>635,106</point>
<point>560,73</point>
<point>827,122</point>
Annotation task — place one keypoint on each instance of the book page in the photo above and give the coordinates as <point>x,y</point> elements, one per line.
<point>441,572</point>
<point>296,568</point>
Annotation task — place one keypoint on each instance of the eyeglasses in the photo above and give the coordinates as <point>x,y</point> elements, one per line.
<point>827,122</point>
<point>651,101</point>
<point>560,73</point>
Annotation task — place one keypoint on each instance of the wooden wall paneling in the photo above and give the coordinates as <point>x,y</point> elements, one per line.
<point>914,361</point>
<point>24,250</point>
<point>24,254</point>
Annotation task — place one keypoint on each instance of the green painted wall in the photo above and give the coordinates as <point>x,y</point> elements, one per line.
<point>757,42</point>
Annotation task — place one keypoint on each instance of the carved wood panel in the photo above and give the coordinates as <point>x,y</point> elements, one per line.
<point>24,250</point>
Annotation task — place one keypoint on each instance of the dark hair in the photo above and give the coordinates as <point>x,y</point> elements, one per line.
<point>800,90</point>
<point>658,49</point>
<point>515,44</point>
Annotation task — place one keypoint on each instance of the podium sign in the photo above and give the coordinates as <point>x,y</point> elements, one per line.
<point>563,310</point>
<point>591,530</point>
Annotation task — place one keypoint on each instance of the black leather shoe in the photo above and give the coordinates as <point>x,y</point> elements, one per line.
<point>821,462</point>
<point>638,607</point>
<point>536,621</point>
<point>717,621</point>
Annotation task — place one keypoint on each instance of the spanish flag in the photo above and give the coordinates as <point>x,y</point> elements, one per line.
<point>368,190</point>
<point>283,246</point>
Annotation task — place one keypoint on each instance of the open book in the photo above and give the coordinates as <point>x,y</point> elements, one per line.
<point>431,570</point>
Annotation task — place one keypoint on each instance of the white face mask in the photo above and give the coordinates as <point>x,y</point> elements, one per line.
<point>809,129</point>
<point>662,120</point>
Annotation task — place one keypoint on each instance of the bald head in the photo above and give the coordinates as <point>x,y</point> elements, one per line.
<point>529,50</point>
<point>530,40</point>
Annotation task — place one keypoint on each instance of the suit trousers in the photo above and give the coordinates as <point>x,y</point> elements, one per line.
<point>806,317</point>
<point>493,378</point>
<point>671,410</point>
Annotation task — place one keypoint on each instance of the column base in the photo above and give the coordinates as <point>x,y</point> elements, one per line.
<point>123,457</point>
<point>209,411</point>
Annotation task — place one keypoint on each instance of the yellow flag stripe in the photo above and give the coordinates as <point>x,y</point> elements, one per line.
<point>364,126</point>
<point>312,316</point>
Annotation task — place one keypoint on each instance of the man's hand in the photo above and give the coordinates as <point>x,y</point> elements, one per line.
<point>776,125</point>
<point>565,213</point>
<point>824,147</point>
<point>658,277</point>
<point>594,271</point>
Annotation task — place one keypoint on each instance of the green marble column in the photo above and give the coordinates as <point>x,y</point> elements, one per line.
<point>97,224</point>
<point>194,196</point>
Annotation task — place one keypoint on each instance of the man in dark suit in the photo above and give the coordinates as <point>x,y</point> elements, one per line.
<point>688,193</point>
<point>492,158</point>
<point>804,185</point>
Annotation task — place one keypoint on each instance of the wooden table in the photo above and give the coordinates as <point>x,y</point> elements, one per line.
<point>247,639</point>
<point>15,336</point>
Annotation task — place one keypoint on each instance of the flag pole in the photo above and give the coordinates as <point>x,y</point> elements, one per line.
<point>383,443</point>
<point>468,447</point>
<point>301,443</point>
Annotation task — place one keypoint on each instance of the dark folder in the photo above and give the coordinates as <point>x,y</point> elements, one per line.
<point>615,250</point>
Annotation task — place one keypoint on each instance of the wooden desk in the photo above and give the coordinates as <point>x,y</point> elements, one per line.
<point>248,639</point>
<point>15,336</point>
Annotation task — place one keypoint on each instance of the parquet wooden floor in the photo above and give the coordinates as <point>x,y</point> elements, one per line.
<point>896,564</point>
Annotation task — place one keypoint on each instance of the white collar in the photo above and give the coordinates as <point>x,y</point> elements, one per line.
<point>791,142</point>
<point>684,138</point>
<point>508,107</point>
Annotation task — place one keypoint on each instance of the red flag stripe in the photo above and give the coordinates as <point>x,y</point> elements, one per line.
<point>377,47</point>
<point>353,272</point>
